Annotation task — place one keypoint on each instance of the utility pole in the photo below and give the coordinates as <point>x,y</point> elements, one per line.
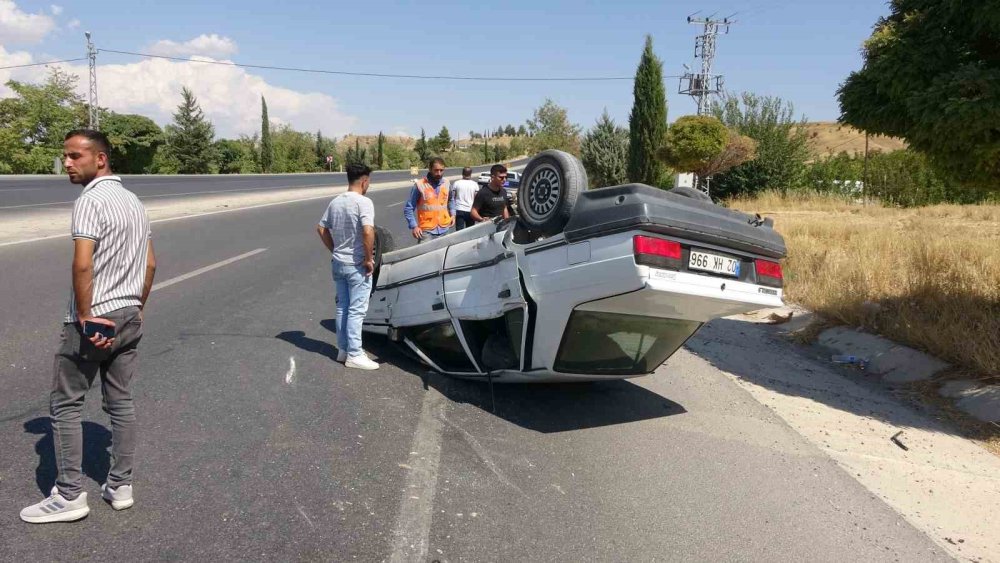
<point>864,177</point>
<point>702,85</point>
<point>95,118</point>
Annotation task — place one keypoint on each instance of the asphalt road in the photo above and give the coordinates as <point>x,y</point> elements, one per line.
<point>35,192</point>
<point>256,445</point>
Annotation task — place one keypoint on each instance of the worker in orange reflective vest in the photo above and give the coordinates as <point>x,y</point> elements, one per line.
<point>430,209</point>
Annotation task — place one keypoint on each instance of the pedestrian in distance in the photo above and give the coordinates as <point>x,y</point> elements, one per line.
<point>429,211</point>
<point>492,199</point>
<point>347,229</point>
<point>112,272</point>
<point>464,192</point>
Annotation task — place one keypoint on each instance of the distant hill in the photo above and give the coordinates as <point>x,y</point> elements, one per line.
<point>828,138</point>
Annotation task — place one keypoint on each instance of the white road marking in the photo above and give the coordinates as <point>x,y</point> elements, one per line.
<point>290,376</point>
<point>304,515</point>
<point>208,268</point>
<point>395,204</point>
<point>410,535</point>
<point>153,196</point>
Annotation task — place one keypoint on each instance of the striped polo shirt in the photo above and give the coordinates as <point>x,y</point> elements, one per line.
<point>116,221</point>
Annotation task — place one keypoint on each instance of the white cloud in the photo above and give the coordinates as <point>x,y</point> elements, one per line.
<point>56,10</point>
<point>73,23</point>
<point>229,95</point>
<point>11,59</point>
<point>215,46</point>
<point>20,27</point>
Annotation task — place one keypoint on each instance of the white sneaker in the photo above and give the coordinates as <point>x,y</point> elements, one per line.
<point>361,361</point>
<point>120,498</point>
<point>55,508</point>
<point>342,356</point>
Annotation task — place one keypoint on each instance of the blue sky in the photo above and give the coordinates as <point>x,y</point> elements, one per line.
<point>800,51</point>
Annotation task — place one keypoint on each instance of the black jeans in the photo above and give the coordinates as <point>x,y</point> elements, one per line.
<point>463,219</point>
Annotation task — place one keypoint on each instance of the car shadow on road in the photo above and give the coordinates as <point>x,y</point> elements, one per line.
<point>96,458</point>
<point>757,353</point>
<point>542,407</point>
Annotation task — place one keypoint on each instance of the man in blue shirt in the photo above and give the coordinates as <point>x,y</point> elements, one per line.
<point>430,209</point>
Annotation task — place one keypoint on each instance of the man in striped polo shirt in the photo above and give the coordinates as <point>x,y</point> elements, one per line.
<point>113,267</point>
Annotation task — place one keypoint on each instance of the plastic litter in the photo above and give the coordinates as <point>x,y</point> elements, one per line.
<point>851,360</point>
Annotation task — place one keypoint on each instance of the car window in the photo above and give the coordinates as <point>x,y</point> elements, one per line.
<point>440,343</point>
<point>618,344</point>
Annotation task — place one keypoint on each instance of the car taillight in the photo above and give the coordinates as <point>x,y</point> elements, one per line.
<point>657,252</point>
<point>768,273</point>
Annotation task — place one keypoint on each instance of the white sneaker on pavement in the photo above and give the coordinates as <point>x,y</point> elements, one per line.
<point>342,356</point>
<point>361,361</point>
<point>119,497</point>
<point>55,508</point>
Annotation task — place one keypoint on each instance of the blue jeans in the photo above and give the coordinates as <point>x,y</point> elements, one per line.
<point>354,287</point>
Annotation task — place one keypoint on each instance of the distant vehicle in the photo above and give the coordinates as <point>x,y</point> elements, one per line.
<point>582,285</point>
<point>513,179</point>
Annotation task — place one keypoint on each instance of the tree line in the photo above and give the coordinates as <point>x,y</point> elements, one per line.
<point>34,121</point>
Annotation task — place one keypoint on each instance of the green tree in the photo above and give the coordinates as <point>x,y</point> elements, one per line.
<point>34,121</point>
<point>550,129</point>
<point>647,123</point>
<point>229,156</point>
<point>422,148</point>
<point>189,137</point>
<point>294,151</point>
<point>441,142</point>
<point>522,131</point>
<point>397,156</point>
<point>931,75</point>
<point>356,155</point>
<point>782,148</point>
<point>380,158</point>
<point>604,152</point>
<point>693,141</point>
<point>509,131</point>
<point>134,141</point>
<point>266,146</point>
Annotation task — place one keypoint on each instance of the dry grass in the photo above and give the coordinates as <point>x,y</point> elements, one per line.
<point>928,277</point>
<point>828,138</point>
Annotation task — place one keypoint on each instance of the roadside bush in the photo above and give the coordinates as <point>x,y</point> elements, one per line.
<point>903,178</point>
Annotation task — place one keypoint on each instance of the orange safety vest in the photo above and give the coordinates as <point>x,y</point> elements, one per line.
<point>433,209</point>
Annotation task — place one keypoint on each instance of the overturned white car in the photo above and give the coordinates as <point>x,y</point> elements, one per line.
<point>584,285</point>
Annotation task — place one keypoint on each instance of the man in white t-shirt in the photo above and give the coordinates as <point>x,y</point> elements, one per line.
<point>347,229</point>
<point>464,191</point>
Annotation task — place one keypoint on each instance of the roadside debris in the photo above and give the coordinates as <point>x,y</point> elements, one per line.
<point>895,440</point>
<point>852,360</point>
<point>777,319</point>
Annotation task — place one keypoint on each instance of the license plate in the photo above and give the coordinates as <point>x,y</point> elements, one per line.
<point>714,263</point>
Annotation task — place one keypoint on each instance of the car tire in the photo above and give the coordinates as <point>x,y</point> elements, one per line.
<point>383,243</point>
<point>551,183</point>
<point>691,193</point>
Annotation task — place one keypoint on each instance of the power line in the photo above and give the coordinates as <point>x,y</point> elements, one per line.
<point>45,63</point>
<point>381,75</point>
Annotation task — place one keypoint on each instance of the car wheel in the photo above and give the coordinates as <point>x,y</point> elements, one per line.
<point>550,185</point>
<point>383,243</point>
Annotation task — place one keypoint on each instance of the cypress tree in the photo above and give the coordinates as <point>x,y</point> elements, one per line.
<point>381,150</point>
<point>266,148</point>
<point>648,120</point>
<point>190,137</point>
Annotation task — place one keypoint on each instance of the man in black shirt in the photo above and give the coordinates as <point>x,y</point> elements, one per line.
<point>491,201</point>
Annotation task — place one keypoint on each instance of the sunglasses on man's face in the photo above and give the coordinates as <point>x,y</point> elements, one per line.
<point>502,176</point>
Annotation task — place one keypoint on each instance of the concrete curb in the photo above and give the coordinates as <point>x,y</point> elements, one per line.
<point>894,363</point>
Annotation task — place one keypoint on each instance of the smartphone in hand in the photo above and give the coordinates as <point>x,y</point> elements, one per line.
<point>91,329</point>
